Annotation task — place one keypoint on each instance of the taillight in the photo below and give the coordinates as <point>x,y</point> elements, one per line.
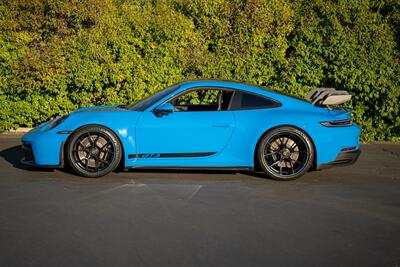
<point>347,149</point>
<point>337,123</point>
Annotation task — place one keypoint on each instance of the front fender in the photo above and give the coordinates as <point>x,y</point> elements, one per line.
<point>123,124</point>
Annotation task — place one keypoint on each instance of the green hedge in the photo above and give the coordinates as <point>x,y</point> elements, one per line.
<point>56,55</point>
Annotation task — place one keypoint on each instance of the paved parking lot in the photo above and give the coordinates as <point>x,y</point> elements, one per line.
<point>347,216</point>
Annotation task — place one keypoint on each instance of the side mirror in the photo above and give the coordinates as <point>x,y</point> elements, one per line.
<point>164,109</point>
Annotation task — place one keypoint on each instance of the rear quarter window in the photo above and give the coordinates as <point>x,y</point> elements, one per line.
<point>244,101</point>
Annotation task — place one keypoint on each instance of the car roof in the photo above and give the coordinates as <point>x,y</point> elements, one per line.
<point>221,83</point>
<point>237,86</point>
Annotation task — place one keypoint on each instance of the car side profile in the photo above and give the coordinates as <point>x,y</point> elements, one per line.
<point>202,125</point>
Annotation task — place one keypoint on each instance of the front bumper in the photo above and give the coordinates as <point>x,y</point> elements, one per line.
<point>43,148</point>
<point>342,159</point>
<point>28,157</point>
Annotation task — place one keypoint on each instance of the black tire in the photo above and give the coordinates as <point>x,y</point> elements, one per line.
<point>93,151</point>
<point>285,153</point>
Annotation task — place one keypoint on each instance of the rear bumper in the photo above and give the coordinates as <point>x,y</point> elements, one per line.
<point>342,159</point>
<point>329,141</point>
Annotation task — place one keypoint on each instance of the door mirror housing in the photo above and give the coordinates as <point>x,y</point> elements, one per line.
<point>164,109</point>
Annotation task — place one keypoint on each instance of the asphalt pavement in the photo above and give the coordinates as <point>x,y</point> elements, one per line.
<point>347,216</point>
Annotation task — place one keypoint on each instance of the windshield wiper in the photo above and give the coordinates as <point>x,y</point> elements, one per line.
<point>123,106</point>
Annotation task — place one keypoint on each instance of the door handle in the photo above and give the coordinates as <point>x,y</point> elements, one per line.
<point>221,125</point>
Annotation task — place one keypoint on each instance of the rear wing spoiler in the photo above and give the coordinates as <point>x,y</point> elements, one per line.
<point>328,96</point>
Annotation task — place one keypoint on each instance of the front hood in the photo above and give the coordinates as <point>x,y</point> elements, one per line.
<point>111,108</point>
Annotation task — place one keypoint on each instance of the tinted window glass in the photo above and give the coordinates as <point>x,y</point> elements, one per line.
<point>147,102</point>
<point>251,101</point>
<point>202,100</point>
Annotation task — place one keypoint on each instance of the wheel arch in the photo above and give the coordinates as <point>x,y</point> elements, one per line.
<point>255,163</point>
<point>122,161</point>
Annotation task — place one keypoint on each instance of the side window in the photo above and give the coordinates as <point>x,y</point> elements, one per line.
<point>243,101</point>
<point>199,97</point>
<point>203,99</point>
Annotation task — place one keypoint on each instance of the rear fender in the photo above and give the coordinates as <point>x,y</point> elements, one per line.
<point>279,126</point>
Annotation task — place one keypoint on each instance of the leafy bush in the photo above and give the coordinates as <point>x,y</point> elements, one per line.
<point>58,55</point>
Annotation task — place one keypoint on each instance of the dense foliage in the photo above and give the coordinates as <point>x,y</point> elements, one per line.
<point>58,55</point>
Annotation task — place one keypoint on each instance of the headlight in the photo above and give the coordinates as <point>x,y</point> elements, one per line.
<point>57,122</point>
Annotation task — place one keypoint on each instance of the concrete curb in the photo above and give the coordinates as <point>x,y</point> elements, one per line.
<point>20,130</point>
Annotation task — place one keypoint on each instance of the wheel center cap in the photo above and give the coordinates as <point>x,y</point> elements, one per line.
<point>94,151</point>
<point>285,153</point>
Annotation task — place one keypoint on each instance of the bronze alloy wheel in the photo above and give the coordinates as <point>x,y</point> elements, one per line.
<point>285,153</point>
<point>93,151</point>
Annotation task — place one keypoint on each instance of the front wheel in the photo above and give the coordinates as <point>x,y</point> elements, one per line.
<point>285,153</point>
<point>93,151</point>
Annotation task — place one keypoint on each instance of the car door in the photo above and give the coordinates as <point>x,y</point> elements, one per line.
<point>190,131</point>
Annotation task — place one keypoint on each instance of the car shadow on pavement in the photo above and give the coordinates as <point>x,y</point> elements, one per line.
<point>13,155</point>
<point>193,171</point>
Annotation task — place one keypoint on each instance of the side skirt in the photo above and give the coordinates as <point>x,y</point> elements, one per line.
<point>194,168</point>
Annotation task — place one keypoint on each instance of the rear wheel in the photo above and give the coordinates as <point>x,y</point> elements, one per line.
<point>93,151</point>
<point>285,153</point>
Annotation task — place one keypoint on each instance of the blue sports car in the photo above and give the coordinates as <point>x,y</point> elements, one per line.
<point>202,125</point>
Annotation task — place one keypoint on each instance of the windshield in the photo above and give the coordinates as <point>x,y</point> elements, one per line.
<point>150,100</point>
